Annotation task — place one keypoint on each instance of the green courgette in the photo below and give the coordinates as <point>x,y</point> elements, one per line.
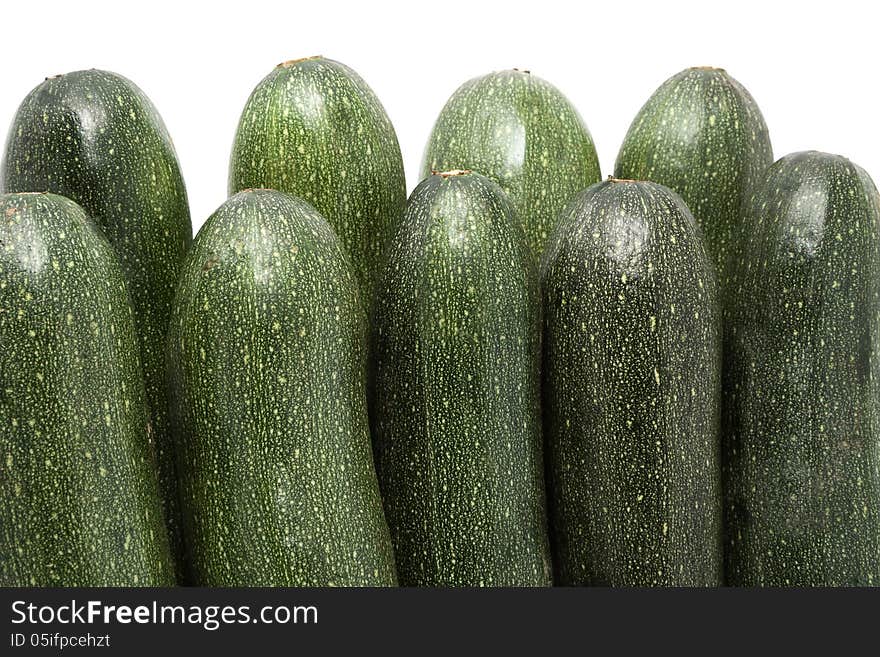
<point>267,366</point>
<point>802,380</point>
<point>455,391</point>
<point>78,483</point>
<point>94,137</point>
<point>632,358</point>
<point>314,128</point>
<point>701,133</point>
<point>521,132</point>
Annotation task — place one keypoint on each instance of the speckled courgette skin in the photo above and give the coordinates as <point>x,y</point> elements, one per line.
<point>802,444</point>
<point>631,391</point>
<point>313,128</point>
<point>79,499</point>
<point>267,364</point>
<point>701,134</point>
<point>94,137</point>
<point>521,132</point>
<point>455,391</point>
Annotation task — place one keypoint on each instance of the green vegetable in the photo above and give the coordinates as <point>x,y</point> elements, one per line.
<point>802,376</point>
<point>456,391</point>
<point>94,137</point>
<point>80,500</point>
<point>314,128</point>
<point>701,134</point>
<point>521,132</point>
<point>267,363</point>
<point>631,391</point>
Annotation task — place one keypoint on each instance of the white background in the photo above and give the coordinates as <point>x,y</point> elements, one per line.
<point>813,69</point>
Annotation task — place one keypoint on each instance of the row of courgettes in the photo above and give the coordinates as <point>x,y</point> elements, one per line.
<point>334,386</point>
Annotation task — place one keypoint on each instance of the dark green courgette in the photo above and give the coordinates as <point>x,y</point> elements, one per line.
<point>94,137</point>
<point>267,363</point>
<point>79,498</point>
<point>802,378</point>
<point>632,358</point>
<point>455,391</point>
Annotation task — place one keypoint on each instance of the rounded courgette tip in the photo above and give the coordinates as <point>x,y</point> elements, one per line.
<point>293,62</point>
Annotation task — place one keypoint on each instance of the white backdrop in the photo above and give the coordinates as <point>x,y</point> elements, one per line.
<point>812,69</point>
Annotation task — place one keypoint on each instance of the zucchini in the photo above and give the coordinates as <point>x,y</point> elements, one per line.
<point>701,133</point>
<point>521,132</point>
<point>802,376</point>
<point>455,391</point>
<point>632,358</point>
<point>78,484</point>
<point>313,128</point>
<point>267,366</point>
<point>95,138</point>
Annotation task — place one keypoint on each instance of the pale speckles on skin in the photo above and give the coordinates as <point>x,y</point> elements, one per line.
<point>632,414</point>
<point>455,394</point>
<point>95,138</point>
<point>540,152</point>
<point>78,465</point>
<point>803,423</point>
<point>702,135</point>
<point>316,130</point>
<point>270,405</point>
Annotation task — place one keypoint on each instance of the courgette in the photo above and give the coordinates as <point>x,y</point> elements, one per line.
<point>632,358</point>
<point>315,129</point>
<point>79,496</point>
<point>701,133</point>
<point>455,391</point>
<point>802,380</point>
<point>523,133</point>
<point>94,137</point>
<point>267,366</point>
